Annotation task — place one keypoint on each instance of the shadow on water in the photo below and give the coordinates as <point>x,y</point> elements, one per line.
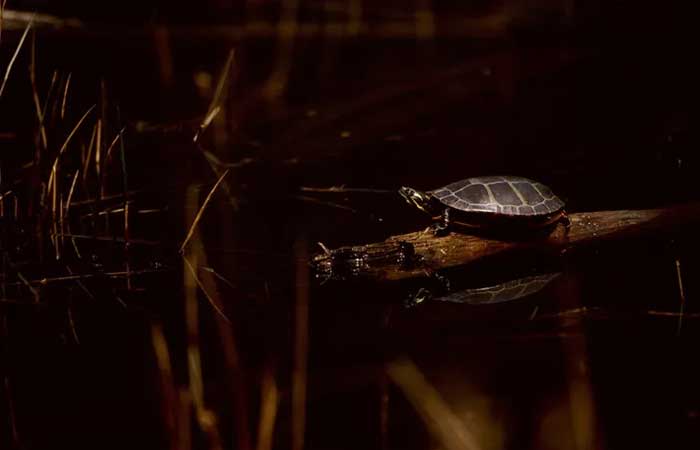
<point>111,339</point>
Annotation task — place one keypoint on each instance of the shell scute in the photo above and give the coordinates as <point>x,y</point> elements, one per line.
<point>544,190</point>
<point>474,194</point>
<point>529,193</point>
<point>504,194</point>
<point>541,209</point>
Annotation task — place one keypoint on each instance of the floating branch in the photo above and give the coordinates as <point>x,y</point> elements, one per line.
<point>410,255</point>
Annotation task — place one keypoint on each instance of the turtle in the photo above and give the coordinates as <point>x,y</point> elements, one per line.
<point>500,293</point>
<point>490,201</point>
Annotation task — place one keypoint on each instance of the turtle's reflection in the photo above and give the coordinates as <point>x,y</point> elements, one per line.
<point>504,292</point>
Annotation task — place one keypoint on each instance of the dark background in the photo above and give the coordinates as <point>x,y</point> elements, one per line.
<point>596,99</point>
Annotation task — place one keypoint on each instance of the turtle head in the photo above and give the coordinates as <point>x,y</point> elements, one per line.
<point>419,199</point>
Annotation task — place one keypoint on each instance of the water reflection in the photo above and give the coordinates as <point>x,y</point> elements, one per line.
<point>504,292</point>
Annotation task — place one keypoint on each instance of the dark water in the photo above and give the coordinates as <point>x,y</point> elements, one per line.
<point>595,106</point>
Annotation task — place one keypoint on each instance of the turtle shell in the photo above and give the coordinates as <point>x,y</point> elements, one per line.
<point>506,195</point>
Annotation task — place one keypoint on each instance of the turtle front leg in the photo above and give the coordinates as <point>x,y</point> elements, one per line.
<point>566,221</point>
<point>442,226</point>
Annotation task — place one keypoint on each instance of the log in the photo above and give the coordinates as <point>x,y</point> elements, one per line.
<point>412,254</point>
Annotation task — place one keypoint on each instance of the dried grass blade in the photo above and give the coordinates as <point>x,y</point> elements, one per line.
<point>108,153</point>
<point>71,322</point>
<point>35,93</point>
<point>14,56</point>
<point>681,291</point>
<point>74,130</point>
<point>215,105</point>
<point>192,328</point>
<point>98,149</point>
<point>54,170</point>
<point>206,294</point>
<point>11,412</point>
<point>70,192</point>
<point>49,93</point>
<point>126,246</point>
<point>167,382</point>
<point>88,157</point>
<point>432,408</point>
<point>197,257</point>
<point>65,95</point>
<point>78,281</point>
<point>210,117</point>
<point>60,219</point>
<point>201,211</point>
<point>218,276</point>
<point>269,403</point>
<point>29,286</point>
